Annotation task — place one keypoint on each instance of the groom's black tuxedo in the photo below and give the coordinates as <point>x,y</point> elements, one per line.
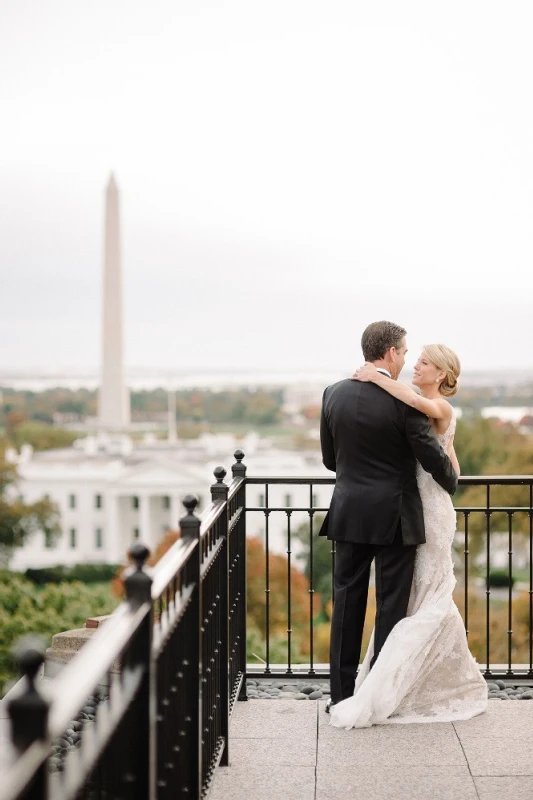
<point>372,441</point>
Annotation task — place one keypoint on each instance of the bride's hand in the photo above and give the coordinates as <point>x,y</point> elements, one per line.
<point>366,373</point>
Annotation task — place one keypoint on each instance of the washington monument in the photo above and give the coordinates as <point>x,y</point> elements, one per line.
<point>113,402</point>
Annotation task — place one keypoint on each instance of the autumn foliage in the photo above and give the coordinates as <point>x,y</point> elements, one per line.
<point>304,606</point>
<point>169,538</point>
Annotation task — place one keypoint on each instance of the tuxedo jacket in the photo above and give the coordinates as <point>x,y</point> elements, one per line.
<point>372,442</point>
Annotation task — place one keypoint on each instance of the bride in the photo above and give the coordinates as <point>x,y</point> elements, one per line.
<point>425,671</point>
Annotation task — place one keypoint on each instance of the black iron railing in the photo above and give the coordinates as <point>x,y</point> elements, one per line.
<point>143,710</point>
<point>493,505</point>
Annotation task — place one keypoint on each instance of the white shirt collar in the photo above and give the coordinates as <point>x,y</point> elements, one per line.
<point>384,372</point>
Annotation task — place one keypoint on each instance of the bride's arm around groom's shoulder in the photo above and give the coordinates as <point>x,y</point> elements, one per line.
<point>437,408</point>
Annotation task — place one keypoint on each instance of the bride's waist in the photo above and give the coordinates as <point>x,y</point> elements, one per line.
<point>426,479</point>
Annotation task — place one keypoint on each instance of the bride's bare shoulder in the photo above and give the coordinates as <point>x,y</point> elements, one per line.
<point>446,413</point>
<point>446,406</point>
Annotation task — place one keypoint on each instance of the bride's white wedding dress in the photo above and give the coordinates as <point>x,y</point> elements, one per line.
<point>425,671</point>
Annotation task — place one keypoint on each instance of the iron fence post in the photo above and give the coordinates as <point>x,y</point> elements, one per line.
<point>190,529</point>
<point>28,713</point>
<point>219,494</point>
<point>239,471</point>
<point>138,587</point>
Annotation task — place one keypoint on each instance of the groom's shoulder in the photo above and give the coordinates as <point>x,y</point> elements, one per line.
<point>346,384</point>
<point>350,387</point>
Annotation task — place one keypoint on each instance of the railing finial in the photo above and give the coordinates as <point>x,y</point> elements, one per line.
<point>239,469</point>
<point>190,523</point>
<point>29,710</point>
<point>139,553</point>
<point>219,490</point>
<point>137,582</point>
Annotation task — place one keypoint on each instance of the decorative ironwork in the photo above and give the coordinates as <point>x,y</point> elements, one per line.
<point>143,711</point>
<point>158,726</point>
<point>466,515</point>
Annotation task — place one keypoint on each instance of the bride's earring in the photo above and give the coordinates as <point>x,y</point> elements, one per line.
<point>436,380</point>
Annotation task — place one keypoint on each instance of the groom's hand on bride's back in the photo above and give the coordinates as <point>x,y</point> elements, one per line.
<point>455,483</point>
<point>428,451</point>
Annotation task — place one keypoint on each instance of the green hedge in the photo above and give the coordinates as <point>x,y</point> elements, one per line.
<point>499,578</point>
<point>86,573</point>
<point>45,610</point>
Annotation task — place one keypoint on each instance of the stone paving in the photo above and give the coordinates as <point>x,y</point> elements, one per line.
<point>287,750</point>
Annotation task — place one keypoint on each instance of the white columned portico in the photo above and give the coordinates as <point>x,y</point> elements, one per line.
<point>176,510</point>
<point>114,545</point>
<point>144,519</point>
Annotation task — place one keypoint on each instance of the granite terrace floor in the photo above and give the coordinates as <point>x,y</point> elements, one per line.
<point>286,750</point>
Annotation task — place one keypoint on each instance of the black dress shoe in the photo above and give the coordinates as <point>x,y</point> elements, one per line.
<point>329,705</point>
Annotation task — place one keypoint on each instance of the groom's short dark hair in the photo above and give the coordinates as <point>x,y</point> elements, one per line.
<point>378,337</point>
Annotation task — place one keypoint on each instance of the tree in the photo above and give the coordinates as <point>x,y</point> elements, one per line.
<point>262,409</point>
<point>41,436</point>
<point>279,578</point>
<point>26,608</point>
<point>322,561</point>
<point>480,442</point>
<point>18,520</point>
<point>484,448</point>
<point>170,537</point>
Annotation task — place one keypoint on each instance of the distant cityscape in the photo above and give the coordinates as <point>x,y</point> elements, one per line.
<point>116,449</point>
<point>138,378</point>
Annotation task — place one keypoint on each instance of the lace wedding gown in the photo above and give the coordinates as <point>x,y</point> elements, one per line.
<point>425,671</point>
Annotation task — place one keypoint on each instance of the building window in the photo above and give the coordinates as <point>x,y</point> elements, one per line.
<point>136,533</point>
<point>135,502</point>
<point>315,500</point>
<point>261,501</point>
<point>72,501</point>
<point>48,539</point>
<point>99,539</point>
<point>98,501</point>
<point>288,500</point>
<point>166,502</point>
<point>73,537</point>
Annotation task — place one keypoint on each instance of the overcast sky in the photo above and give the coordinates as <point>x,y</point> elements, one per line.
<point>289,171</point>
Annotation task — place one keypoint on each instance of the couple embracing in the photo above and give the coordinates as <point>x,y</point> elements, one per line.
<point>392,451</point>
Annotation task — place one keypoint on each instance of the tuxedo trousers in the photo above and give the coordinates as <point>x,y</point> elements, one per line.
<point>394,567</point>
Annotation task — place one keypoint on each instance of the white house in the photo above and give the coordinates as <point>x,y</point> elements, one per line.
<point>111,491</point>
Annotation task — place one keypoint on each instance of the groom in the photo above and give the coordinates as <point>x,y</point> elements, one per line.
<point>373,441</point>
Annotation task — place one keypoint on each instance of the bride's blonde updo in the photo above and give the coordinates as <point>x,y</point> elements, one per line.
<point>445,359</point>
